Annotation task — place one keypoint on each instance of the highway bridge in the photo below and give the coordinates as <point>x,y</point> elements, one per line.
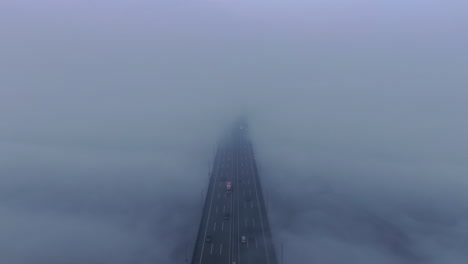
<point>234,228</point>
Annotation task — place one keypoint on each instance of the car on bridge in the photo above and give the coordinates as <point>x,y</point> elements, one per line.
<point>228,187</point>
<point>227,216</point>
<point>243,239</point>
<point>208,239</point>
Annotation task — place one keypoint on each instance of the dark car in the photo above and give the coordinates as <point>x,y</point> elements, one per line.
<point>208,239</point>
<point>227,216</point>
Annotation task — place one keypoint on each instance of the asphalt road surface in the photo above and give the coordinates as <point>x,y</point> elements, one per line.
<point>228,216</point>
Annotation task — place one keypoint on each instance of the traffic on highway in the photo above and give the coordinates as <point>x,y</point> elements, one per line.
<point>234,228</point>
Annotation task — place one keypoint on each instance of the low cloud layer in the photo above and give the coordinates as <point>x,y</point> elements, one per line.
<point>110,112</point>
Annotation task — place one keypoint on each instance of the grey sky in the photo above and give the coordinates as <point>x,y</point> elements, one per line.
<point>109,113</point>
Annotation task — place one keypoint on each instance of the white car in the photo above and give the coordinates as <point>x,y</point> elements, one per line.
<point>243,239</point>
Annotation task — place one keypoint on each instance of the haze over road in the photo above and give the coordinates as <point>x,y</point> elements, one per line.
<point>357,112</point>
<point>234,227</point>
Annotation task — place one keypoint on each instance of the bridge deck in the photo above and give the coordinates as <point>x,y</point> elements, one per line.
<point>235,163</point>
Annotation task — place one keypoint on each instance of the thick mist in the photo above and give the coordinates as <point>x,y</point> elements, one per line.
<point>110,112</point>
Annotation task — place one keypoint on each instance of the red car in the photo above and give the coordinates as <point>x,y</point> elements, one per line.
<point>228,187</point>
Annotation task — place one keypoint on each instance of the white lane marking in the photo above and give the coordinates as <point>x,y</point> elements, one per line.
<point>247,243</point>
<point>216,209</point>
<point>219,194</point>
<point>238,213</point>
<point>248,181</point>
<point>251,204</point>
<point>221,249</point>
<point>211,251</point>
<point>244,204</point>
<point>214,227</point>
<point>259,212</point>
<point>243,193</point>
<point>245,222</point>
<point>222,226</point>
<point>253,220</point>
<point>224,208</point>
<point>256,243</point>
<point>250,192</point>
<point>209,212</point>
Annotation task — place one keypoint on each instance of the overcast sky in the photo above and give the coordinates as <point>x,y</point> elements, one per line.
<point>110,110</point>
